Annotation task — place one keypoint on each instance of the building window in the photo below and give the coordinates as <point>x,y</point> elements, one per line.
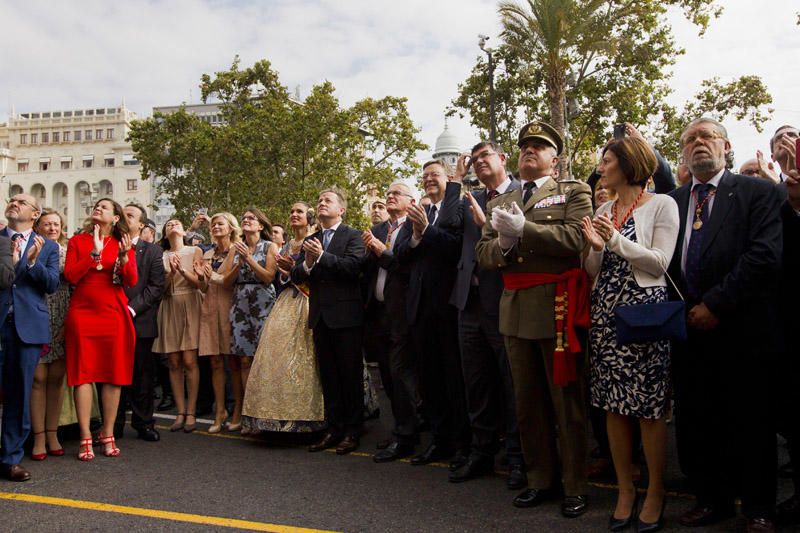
<point>129,160</point>
<point>77,135</point>
<point>87,163</point>
<point>23,138</point>
<point>108,161</point>
<point>34,138</point>
<point>45,138</point>
<point>133,185</point>
<point>87,135</point>
<point>66,136</point>
<point>98,135</point>
<point>43,166</point>
<point>66,165</point>
<point>56,137</point>
<point>110,133</point>
<point>22,167</point>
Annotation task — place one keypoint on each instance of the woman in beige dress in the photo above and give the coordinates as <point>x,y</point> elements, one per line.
<point>215,325</point>
<point>179,322</point>
<point>284,392</point>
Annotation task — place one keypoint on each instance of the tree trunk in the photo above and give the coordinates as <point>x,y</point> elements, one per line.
<point>556,87</point>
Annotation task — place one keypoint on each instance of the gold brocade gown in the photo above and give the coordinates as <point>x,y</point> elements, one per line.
<point>284,392</point>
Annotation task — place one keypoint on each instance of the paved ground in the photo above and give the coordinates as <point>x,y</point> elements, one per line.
<point>274,483</point>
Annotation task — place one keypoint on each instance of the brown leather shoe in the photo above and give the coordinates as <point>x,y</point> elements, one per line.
<point>16,473</point>
<point>328,441</point>
<point>760,525</point>
<point>348,444</point>
<point>704,515</point>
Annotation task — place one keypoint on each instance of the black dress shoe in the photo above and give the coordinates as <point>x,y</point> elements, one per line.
<point>16,473</point>
<point>434,452</point>
<point>474,466</point>
<point>166,404</point>
<point>705,515</point>
<point>393,452</point>
<point>459,460</point>
<point>574,506</point>
<point>760,525</point>
<point>383,444</point>
<point>789,510</point>
<point>349,444</point>
<point>620,524</point>
<point>652,527</point>
<point>533,497</point>
<point>148,434</point>
<point>517,477</point>
<point>329,440</point>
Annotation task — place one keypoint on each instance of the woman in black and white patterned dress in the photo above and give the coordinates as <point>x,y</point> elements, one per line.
<point>631,241</point>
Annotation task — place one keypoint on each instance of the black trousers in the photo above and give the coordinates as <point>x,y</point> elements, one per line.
<point>386,339</point>
<point>725,423</point>
<point>435,341</point>
<point>341,370</point>
<point>788,387</point>
<point>487,381</point>
<point>140,392</point>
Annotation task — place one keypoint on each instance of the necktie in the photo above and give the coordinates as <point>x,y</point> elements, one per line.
<point>491,195</point>
<point>693,251</point>
<point>326,238</point>
<point>529,187</point>
<point>432,214</point>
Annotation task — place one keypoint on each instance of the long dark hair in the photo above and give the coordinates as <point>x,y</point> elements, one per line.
<point>164,242</point>
<point>266,232</point>
<point>121,227</point>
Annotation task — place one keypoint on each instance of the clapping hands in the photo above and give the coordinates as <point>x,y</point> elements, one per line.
<point>372,244</point>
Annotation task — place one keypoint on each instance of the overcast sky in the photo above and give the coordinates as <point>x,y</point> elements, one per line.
<point>94,53</point>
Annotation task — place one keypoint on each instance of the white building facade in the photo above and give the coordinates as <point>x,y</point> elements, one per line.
<point>70,159</point>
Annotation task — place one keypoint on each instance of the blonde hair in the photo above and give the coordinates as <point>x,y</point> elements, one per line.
<point>236,229</point>
<point>62,239</point>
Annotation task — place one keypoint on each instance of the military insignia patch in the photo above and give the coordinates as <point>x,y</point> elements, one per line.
<point>558,199</point>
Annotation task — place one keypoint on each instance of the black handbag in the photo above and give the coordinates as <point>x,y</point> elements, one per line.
<point>650,322</point>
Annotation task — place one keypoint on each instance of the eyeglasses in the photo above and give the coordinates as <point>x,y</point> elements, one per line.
<point>483,155</point>
<point>703,135</point>
<point>20,201</point>
<point>250,218</point>
<point>397,193</point>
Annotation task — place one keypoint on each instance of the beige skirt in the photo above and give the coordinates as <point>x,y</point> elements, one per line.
<point>179,323</point>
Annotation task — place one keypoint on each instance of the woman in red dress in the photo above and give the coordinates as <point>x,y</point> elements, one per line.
<point>99,334</point>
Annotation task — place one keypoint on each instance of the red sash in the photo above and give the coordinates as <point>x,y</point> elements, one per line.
<point>571,311</point>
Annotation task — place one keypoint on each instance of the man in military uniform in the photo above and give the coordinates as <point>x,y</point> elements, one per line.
<point>534,237</point>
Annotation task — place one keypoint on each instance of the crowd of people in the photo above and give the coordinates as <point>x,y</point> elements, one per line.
<point>501,317</point>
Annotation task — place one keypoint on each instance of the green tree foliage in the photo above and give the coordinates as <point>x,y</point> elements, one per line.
<point>271,150</point>
<point>582,65</point>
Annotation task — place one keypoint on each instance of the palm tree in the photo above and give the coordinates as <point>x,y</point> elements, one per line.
<point>555,34</point>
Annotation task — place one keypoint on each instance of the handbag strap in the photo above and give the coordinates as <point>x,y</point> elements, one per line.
<point>631,276</point>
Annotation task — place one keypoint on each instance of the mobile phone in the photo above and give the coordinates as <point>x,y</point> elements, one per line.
<point>202,211</point>
<point>619,131</point>
<point>468,163</point>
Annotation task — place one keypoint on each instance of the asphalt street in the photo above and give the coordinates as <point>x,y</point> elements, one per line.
<point>203,482</point>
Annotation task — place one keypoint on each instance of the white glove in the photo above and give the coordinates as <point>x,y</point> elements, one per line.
<point>509,223</point>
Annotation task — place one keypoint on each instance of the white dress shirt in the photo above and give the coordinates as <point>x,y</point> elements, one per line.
<point>380,283</point>
<point>687,234</point>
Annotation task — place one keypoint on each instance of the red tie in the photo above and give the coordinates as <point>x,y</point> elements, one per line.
<point>492,194</point>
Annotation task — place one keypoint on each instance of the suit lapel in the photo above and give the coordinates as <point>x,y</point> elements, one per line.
<point>682,199</point>
<point>723,200</point>
<point>541,192</point>
<point>337,240</point>
<point>382,231</point>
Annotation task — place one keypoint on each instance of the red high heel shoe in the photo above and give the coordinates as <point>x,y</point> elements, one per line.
<point>55,453</point>
<point>38,456</point>
<point>85,452</point>
<point>106,442</point>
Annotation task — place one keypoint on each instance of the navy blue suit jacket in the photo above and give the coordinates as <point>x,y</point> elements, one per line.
<point>27,293</point>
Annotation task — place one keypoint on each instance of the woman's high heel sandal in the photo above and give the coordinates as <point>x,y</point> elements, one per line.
<point>177,426</point>
<point>110,446</point>
<point>55,453</point>
<point>216,428</point>
<point>188,428</point>
<point>38,456</point>
<point>85,452</point>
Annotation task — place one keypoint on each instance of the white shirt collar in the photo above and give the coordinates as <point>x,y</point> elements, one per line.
<point>538,181</point>
<point>503,187</point>
<point>713,181</point>
<point>334,227</point>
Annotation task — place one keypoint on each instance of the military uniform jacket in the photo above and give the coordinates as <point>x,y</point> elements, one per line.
<point>551,242</point>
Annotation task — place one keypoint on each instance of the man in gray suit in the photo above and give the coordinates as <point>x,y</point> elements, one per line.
<point>476,295</point>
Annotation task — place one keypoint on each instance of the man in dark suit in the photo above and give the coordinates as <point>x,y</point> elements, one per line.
<point>143,301</point>
<point>429,244</point>
<point>24,326</point>
<point>476,295</point>
<point>386,336</point>
<point>7,272</point>
<point>727,262</point>
<point>789,379</point>
<point>331,263</point>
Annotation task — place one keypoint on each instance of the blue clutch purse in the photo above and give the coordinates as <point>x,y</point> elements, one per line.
<point>650,322</point>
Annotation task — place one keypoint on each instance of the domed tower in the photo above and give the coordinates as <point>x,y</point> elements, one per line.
<point>447,148</point>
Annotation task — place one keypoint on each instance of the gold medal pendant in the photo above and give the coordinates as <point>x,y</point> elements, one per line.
<point>99,266</point>
<point>697,224</point>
